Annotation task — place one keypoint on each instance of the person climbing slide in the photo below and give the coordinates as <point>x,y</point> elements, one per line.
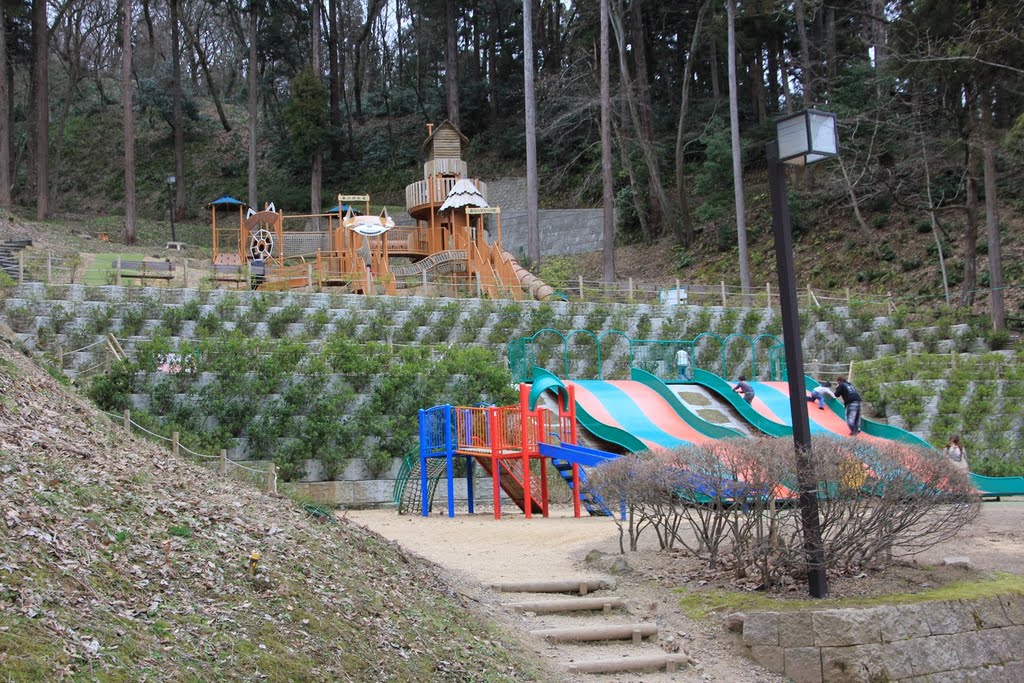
<point>851,399</point>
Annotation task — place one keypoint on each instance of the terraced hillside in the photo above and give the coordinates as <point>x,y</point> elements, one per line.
<point>272,372</point>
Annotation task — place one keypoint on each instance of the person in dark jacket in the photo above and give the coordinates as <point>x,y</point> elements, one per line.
<point>744,388</point>
<point>851,399</point>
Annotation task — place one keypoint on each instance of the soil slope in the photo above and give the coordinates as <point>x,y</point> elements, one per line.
<point>119,561</point>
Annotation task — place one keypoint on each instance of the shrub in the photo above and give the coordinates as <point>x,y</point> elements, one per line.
<point>875,502</point>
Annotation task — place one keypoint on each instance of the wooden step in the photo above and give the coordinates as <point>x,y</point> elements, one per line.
<point>581,586</point>
<point>634,632</point>
<point>575,605</point>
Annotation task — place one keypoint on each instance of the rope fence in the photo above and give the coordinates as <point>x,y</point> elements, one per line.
<point>262,478</point>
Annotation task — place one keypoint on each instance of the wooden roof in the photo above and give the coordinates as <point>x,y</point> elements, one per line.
<point>446,125</point>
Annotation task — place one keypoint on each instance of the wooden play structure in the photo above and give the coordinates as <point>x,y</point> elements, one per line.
<point>446,251</point>
<point>505,440</point>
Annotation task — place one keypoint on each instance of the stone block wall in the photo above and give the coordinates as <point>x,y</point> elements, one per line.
<point>953,640</point>
<point>562,231</point>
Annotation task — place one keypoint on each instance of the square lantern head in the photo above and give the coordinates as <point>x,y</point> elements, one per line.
<point>807,137</point>
<point>171,180</point>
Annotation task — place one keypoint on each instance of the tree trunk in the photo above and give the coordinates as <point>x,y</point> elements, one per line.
<point>532,218</point>
<point>995,263</point>
<point>128,115</point>
<point>5,117</point>
<point>646,146</point>
<point>252,85</point>
<point>607,188</point>
<point>41,44</point>
<point>211,84</point>
<point>971,227</point>
<point>934,221</point>
<point>179,131</point>
<point>451,62</point>
<point>333,39</point>
<point>317,172</point>
<point>716,88</point>
<point>806,76</point>
<point>682,199</point>
<point>645,131</point>
<point>737,160</point>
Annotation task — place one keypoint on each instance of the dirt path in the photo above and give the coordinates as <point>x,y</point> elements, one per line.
<point>477,551</point>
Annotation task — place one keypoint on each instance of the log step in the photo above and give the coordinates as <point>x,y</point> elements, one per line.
<point>575,605</point>
<point>636,632</point>
<point>670,663</point>
<point>581,586</point>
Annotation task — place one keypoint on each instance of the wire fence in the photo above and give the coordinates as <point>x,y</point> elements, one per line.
<point>265,477</point>
<point>174,272</point>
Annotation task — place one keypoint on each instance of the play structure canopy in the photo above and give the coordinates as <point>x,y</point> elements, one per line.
<point>226,201</point>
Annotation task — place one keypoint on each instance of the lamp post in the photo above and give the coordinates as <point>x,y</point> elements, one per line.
<point>170,203</point>
<point>801,139</point>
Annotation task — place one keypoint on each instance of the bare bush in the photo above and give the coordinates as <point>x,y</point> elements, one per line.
<point>734,504</point>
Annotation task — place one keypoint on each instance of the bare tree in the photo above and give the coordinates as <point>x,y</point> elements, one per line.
<point>737,155</point>
<point>177,124</point>
<point>988,159</point>
<point>451,68</point>
<point>5,118</point>
<point>682,199</point>
<point>317,173</point>
<point>607,189</point>
<point>41,45</point>
<point>532,219</point>
<point>128,114</point>
<point>251,81</point>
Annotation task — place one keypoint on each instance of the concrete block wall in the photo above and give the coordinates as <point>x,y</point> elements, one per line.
<point>951,640</point>
<point>562,231</point>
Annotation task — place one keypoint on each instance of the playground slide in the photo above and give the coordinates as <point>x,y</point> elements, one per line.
<point>997,487</point>
<point>638,415</point>
<point>770,412</point>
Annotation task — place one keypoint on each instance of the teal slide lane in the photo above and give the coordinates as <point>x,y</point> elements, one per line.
<point>724,390</point>
<point>700,424</point>
<point>629,415</point>
<point>998,486</point>
<point>609,433</point>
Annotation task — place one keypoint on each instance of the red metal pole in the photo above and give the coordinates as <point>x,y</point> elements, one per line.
<point>575,490</point>
<point>495,461</point>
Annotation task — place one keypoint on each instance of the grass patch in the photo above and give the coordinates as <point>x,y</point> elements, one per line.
<point>703,604</point>
<point>694,398</point>
<point>713,416</point>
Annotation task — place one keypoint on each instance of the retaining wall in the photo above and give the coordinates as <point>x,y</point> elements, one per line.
<point>952,640</point>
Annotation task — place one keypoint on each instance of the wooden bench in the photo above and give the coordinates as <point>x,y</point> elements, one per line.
<point>154,270</point>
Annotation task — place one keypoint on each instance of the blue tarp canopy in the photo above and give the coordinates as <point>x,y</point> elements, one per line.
<point>339,209</point>
<point>226,201</point>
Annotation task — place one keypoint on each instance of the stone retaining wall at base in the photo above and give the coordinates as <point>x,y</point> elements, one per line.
<point>930,642</point>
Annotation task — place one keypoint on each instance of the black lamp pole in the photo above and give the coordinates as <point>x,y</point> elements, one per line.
<point>170,204</point>
<point>806,479</point>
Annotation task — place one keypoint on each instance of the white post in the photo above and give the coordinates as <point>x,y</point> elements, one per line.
<point>630,287</point>
<point>424,277</point>
<point>222,466</point>
<point>679,294</point>
<point>174,443</point>
<point>271,478</point>
<point>49,268</point>
<point>309,274</point>
<point>581,287</point>
<point>21,267</point>
<point>117,272</point>
<point>768,296</point>
<point>128,420</point>
<point>479,286</point>
<point>184,274</point>
<point>724,299</point>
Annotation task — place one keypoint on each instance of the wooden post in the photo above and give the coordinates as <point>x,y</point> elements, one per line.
<point>424,277</point>
<point>581,287</point>
<point>128,419</point>
<point>368,282</point>
<point>849,375</point>
<point>60,357</point>
<point>679,294</point>
<point>21,267</point>
<point>724,299</point>
<point>630,287</point>
<point>106,359</point>
<point>768,296</point>
<point>271,478</point>
<point>49,268</point>
<point>174,443</point>
<point>847,297</point>
<point>222,465</point>
<point>479,286</point>
<point>248,276</point>
<point>117,272</point>
<point>184,272</point>
<point>953,360</point>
